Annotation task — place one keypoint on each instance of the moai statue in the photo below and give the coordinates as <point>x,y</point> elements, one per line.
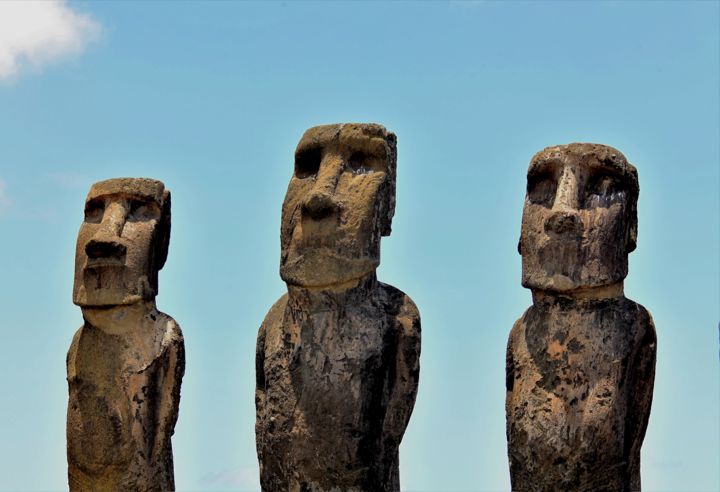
<point>337,356</point>
<point>126,362</point>
<point>581,360</point>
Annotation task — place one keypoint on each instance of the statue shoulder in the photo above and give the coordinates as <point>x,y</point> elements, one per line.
<point>404,309</point>
<point>642,321</point>
<point>274,317</point>
<point>169,331</point>
<point>518,329</point>
<point>72,353</point>
<point>76,340</point>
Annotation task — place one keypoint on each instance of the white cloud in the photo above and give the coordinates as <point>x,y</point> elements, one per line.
<point>34,33</point>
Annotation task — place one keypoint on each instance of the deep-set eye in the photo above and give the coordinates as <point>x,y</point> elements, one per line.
<point>307,163</point>
<point>602,190</point>
<point>541,189</point>
<point>142,211</point>
<point>360,163</point>
<point>363,163</point>
<point>94,211</point>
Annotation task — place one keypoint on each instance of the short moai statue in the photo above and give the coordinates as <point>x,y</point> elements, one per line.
<point>581,359</point>
<point>125,364</point>
<point>337,357</point>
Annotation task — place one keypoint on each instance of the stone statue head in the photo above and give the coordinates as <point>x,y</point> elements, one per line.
<point>122,243</point>
<point>580,218</point>
<point>340,201</point>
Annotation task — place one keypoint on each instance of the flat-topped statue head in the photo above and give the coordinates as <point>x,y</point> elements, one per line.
<point>122,243</point>
<point>340,201</point>
<point>580,218</point>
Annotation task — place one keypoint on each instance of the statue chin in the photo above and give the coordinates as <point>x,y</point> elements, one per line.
<point>324,269</point>
<point>114,295</point>
<point>555,283</point>
<point>568,282</point>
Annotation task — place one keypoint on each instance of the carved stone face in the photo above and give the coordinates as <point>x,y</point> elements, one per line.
<point>122,243</point>
<point>580,220</point>
<point>339,202</point>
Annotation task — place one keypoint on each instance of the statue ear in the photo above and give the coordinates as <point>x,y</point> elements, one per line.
<point>388,194</point>
<point>387,210</point>
<point>162,241</point>
<point>633,200</point>
<point>632,233</point>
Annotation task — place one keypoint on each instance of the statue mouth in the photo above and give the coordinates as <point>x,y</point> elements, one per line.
<point>101,263</point>
<point>561,256</point>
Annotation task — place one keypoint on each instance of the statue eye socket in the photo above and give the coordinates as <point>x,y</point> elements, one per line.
<point>358,163</point>
<point>602,190</point>
<point>363,163</point>
<point>142,211</point>
<point>307,163</point>
<point>541,189</point>
<point>94,211</point>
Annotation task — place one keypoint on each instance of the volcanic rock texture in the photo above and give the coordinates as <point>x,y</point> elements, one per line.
<point>125,364</point>
<point>581,360</point>
<point>338,356</point>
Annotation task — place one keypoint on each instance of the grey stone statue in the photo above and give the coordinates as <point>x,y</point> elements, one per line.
<point>337,356</point>
<point>126,362</point>
<point>581,360</point>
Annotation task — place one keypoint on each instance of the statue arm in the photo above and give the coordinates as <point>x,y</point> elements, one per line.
<point>260,393</point>
<point>273,320</point>
<point>510,369</point>
<point>72,355</point>
<point>640,396</point>
<point>260,374</point>
<point>510,376</point>
<point>407,372</point>
<point>169,382</point>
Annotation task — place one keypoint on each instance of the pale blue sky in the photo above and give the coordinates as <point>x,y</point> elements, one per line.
<point>212,98</point>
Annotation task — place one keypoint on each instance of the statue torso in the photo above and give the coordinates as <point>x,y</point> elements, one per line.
<point>327,376</point>
<point>115,391</point>
<point>572,378</point>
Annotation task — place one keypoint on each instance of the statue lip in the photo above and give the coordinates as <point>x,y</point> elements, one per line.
<point>93,263</point>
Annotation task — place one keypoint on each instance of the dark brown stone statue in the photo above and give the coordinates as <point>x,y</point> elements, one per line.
<point>581,360</point>
<point>337,356</point>
<point>126,362</point>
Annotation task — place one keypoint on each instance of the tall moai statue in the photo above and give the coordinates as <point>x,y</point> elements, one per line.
<point>581,359</point>
<point>337,357</point>
<point>126,362</point>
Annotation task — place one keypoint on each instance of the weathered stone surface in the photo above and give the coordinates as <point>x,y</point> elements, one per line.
<point>581,360</point>
<point>125,364</point>
<point>338,356</point>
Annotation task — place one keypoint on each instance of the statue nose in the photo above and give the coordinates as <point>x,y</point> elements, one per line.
<point>105,249</point>
<point>563,223</point>
<point>320,205</point>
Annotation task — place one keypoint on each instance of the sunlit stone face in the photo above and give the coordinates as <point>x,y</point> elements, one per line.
<point>122,242</point>
<point>579,220</point>
<point>339,202</point>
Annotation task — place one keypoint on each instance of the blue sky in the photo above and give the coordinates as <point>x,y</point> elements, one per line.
<point>212,97</point>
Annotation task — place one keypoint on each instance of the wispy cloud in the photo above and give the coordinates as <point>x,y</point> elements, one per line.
<point>33,34</point>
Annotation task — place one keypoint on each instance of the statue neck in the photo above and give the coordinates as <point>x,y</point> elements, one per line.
<point>583,294</point>
<point>328,298</point>
<point>122,319</point>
